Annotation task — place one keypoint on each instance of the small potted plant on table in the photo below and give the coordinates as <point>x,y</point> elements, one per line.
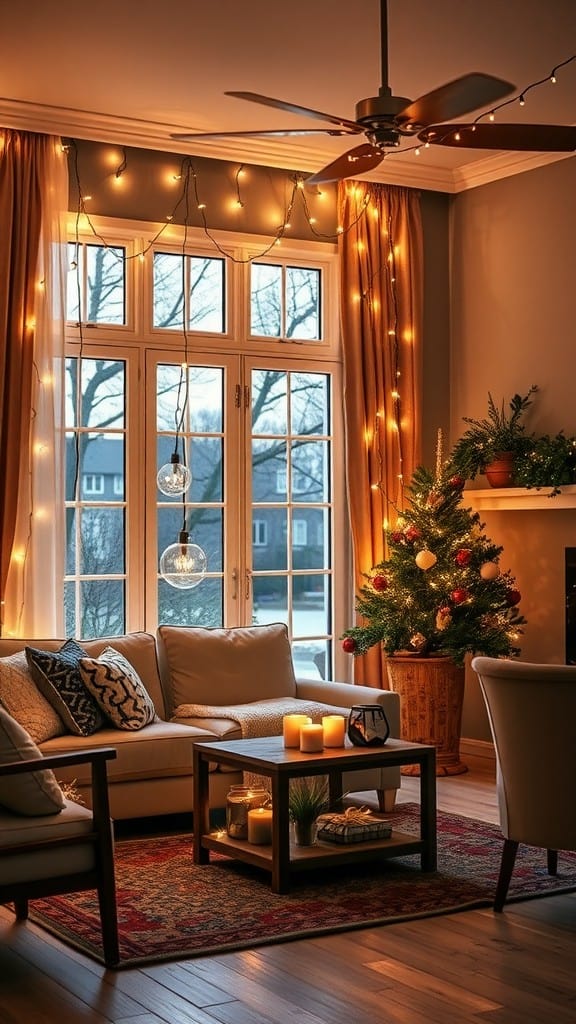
<point>306,800</point>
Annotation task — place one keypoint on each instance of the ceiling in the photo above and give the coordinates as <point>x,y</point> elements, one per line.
<point>132,72</point>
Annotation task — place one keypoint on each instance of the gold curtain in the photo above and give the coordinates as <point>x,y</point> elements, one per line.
<point>33,201</point>
<point>381,259</point>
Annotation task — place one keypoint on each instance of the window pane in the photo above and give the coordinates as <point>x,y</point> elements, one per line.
<point>310,471</point>
<point>102,541</point>
<point>311,658</point>
<point>206,294</point>
<point>168,290</point>
<point>302,303</point>
<point>205,279</point>
<point>309,403</point>
<point>270,599</point>
<point>269,402</point>
<point>274,553</point>
<point>314,551</point>
<point>268,470</point>
<point>266,300</point>
<point>101,462</point>
<point>105,287</point>
<point>310,606</point>
<point>96,284</point>
<point>201,606</point>
<point>102,608</point>
<point>206,465</point>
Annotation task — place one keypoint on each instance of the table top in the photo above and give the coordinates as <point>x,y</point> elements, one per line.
<point>270,750</point>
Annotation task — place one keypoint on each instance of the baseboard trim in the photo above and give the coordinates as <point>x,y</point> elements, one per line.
<point>480,749</point>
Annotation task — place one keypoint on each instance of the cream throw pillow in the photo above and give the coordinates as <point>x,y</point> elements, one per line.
<point>23,700</point>
<point>30,793</point>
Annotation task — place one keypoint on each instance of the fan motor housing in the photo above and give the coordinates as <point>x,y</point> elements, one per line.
<point>378,114</point>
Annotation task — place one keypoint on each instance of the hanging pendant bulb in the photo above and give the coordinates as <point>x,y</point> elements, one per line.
<point>183,565</point>
<point>174,477</point>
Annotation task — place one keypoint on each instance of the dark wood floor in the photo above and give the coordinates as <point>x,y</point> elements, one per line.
<point>466,968</point>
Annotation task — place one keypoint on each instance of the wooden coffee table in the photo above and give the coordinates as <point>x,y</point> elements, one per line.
<point>267,756</point>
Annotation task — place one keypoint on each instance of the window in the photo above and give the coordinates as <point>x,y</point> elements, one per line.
<point>259,533</point>
<point>93,483</point>
<point>258,423</point>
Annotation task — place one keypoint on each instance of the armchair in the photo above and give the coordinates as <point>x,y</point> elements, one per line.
<point>70,851</point>
<point>532,710</point>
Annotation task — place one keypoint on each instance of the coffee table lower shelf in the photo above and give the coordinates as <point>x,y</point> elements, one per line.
<point>319,855</point>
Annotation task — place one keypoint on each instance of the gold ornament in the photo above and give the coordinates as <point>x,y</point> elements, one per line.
<point>418,642</point>
<point>425,559</point>
<point>489,571</point>
<point>443,618</point>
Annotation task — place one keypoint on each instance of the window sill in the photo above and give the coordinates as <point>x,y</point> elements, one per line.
<point>519,498</point>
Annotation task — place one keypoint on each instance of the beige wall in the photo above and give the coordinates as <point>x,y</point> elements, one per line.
<point>513,324</point>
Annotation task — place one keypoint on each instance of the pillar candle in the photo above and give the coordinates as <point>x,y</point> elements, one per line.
<point>334,730</point>
<point>260,826</point>
<point>291,729</point>
<point>311,738</point>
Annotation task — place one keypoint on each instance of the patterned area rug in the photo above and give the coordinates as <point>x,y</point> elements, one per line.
<point>170,908</point>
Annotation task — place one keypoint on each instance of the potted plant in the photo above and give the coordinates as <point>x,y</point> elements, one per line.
<point>307,799</point>
<point>550,462</point>
<point>495,444</point>
<point>441,594</point>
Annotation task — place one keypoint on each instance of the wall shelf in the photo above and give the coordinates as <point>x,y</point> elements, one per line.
<point>519,498</point>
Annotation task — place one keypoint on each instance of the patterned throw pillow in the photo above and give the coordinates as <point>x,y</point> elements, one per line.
<point>30,793</point>
<point>116,686</point>
<point>57,676</point>
<point>23,700</point>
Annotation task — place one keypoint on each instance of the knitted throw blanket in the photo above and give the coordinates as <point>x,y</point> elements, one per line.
<point>259,719</point>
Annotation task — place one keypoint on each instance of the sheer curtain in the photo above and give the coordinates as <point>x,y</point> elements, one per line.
<point>381,260</point>
<point>33,205</point>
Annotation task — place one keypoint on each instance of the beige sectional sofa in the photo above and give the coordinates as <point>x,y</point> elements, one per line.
<point>206,684</point>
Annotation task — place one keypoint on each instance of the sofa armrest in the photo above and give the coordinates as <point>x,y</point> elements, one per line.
<point>344,695</point>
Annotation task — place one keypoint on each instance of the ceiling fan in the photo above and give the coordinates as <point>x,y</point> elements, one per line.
<point>386,120</point>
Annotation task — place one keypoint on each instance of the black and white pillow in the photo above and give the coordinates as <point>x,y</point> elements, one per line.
<point>118,690</point>
<point>57,676</point>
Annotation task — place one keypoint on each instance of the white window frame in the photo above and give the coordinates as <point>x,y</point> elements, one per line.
<point>97,480</point>
<point>146,343</point>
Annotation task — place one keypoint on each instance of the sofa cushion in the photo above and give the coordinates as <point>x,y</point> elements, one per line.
<point>23,700</point>
<point>160,750</point>
<point>118,690</point>
<point>30,793</point>
<point>73,820</point>
<point>201,665</point>
<point>57,675</point>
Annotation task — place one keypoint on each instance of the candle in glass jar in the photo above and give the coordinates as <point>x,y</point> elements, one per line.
<point>291,728</point>
<point>333,727</point>
<point>311,739</point>
<point>260,826</point>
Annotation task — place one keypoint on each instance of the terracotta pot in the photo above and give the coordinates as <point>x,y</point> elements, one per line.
<point>500,472</point>
<point>431,692</point>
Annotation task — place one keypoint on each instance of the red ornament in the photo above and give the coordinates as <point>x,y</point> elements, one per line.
<point>457,482</point>
<point>463,556</point>
<point>379,583</point>
<point>397,537</point>
<point>349,644</point>
<point>460,595</point>
<point>513,597</point>
<point>412,533</point>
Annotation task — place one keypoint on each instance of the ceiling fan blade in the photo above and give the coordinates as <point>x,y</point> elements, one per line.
<point>355,161</point>
<point>530,137</point>
<point>185,136</point>
<point>470,92</point>
<point>293,108</point>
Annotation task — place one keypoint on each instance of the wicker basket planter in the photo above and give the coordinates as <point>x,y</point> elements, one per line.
<point>431,694</point>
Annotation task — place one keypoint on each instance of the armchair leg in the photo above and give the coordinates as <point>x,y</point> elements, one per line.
<point>552,856</point>
<point>386,800</point>
<point>21,909</point>
<point>509,852</point>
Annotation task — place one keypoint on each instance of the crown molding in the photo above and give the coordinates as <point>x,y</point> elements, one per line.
<point>396,169</point>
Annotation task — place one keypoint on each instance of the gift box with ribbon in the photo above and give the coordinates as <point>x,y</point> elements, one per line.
<point>354,825</point>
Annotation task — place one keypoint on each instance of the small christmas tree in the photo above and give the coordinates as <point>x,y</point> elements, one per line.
<point>441,591</point>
